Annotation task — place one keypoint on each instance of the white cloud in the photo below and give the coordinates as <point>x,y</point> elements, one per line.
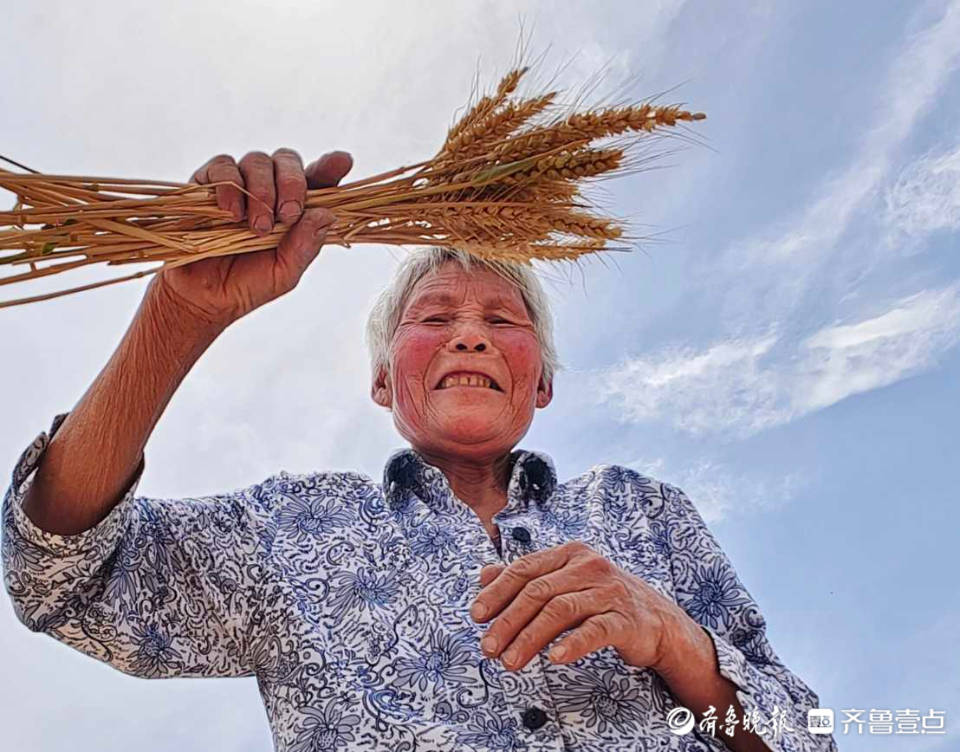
<point>839,361</point>
<point>767,274</point>
<point>726,385</point>
<point>758,378</point>
<point>924,198</point>
<point>737,387</point>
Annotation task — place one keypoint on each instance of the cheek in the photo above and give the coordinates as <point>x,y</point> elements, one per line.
<point>522,352</point>
<point>413,352</point>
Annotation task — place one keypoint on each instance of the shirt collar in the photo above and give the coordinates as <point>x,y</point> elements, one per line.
<point>533,478</point>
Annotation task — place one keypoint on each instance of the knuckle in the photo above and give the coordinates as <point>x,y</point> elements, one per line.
<point>503,625</point>
<point>292,183</point>
<point>524,566</point>
<point>597,629</point>
<point>562,607</point>
<point>295,179</point>
<point>286,153</point>
<point>600,565</point>
<point>255,159</point>
<point>618,590</point>
<point>607,628</point>
<point>222,169</point>
<point>577,547</point>
<point>538,590</point>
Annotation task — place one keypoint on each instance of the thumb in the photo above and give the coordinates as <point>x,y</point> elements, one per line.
<point>302,242</point>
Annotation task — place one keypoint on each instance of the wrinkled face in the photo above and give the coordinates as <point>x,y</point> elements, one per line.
<point>476,324</point>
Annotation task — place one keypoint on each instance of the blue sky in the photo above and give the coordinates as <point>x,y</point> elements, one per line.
<point>786,351</point>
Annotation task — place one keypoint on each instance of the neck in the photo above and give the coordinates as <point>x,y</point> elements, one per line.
<point>480,483</point>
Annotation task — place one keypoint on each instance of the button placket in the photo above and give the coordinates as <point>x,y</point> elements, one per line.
<point>535,707</point>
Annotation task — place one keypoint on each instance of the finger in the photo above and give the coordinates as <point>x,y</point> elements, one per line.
<point>546,593</point>
<point>257,170</point>
<point>200,176</point>
<point>593,634</point>
<point>495,596</point>
<point>229,197</point>
<point>560,614</point>
<point>291,185</point>
<point>301,244</point>
<point>329,170</point>
<point>489,573</point>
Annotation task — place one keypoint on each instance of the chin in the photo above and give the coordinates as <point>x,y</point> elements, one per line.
<point>471,429</point>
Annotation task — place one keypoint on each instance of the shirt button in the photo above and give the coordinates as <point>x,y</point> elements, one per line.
<point>534,718</point>
<point>521,534</point>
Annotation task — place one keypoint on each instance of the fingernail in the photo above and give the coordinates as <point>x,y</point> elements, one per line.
<point>558,653</point>
<point>478,611</point>
<point>289,210</point>
<point>263,224</point>
<point>489,645</point>
<point>510,657</point>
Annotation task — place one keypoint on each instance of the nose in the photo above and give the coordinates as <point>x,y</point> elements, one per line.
<point>469,337</point>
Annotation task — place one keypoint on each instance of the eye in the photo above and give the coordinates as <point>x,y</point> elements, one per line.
<point>498,320</point>
<point>439,319</point>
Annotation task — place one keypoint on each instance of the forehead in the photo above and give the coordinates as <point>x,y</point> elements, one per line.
<point>452,284</point>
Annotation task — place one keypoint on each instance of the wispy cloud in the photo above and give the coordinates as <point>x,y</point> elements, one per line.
<point>761,376</point>
<point>718,492</point>
<point>741,386</point>
<point>768,273</point>
<point>725,386</point>
<point>924,198</point>
<point>839,361</point>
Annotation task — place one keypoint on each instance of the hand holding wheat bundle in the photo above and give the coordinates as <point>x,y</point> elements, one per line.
<point>219,290</point>
<point>507,185</point>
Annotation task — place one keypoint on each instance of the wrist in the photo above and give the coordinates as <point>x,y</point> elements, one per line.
<point>174,318</point>
<point>687,650</point>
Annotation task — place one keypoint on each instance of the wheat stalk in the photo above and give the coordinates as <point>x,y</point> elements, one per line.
<point>506,185</point>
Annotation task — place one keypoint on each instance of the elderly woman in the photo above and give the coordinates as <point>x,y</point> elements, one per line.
<point>468,601</point>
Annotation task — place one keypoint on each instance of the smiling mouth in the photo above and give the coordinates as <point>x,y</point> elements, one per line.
<point>468,380</point>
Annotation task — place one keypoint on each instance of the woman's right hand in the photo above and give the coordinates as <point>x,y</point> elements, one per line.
<point>215,292</point>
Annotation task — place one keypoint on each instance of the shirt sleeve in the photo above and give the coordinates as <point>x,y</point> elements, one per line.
<point>159,588</point>
<point>708,588</point>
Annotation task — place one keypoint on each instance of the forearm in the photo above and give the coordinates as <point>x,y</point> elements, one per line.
<point>96,452</point>
<point>693,676</point>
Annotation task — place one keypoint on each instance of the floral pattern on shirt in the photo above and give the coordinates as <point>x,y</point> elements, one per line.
<point>348,600</point>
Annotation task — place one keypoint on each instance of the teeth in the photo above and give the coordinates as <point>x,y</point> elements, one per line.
<point>464,380</point>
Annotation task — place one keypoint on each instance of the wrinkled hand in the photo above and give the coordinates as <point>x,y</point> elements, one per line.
<point>217,291</point>
<point>541,595</point>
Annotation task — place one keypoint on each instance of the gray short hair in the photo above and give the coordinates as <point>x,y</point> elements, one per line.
<point>388,308</point>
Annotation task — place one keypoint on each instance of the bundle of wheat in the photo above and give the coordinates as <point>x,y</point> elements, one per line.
<point>507,185</point>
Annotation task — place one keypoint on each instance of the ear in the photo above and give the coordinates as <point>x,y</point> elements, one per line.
<point>382,390</point>
<point>544,392</point>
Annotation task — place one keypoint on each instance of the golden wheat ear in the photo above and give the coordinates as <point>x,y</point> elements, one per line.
<point>510,184</point>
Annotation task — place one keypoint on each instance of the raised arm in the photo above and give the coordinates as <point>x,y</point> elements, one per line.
<point>98,450</point>
<point>158,587</point>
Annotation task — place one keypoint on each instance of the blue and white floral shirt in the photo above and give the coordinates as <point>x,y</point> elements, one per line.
<point>348,600</point>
